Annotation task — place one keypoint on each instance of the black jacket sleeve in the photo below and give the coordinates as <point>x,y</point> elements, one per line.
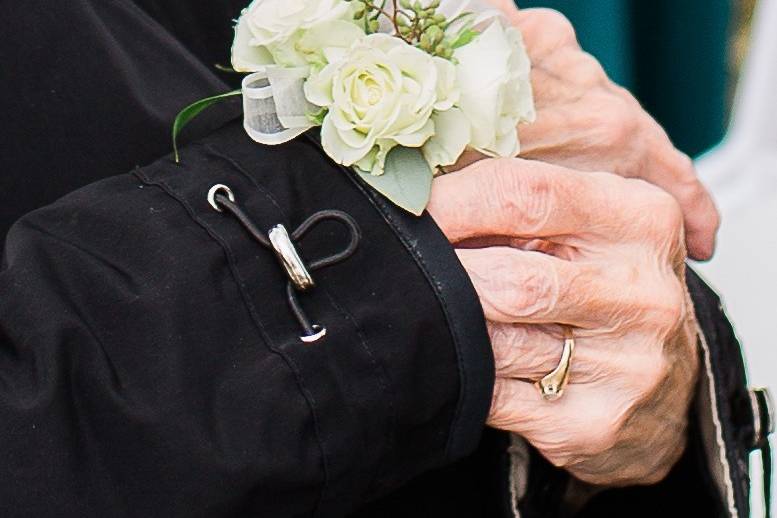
<point>151,366</point>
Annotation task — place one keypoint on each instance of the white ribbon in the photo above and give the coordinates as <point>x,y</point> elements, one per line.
<point>274,106</point>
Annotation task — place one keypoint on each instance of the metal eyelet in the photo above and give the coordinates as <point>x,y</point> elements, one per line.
<point>320,332</point>
<point>219,188</point>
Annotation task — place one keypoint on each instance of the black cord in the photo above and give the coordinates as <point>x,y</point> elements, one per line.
<point>343,218</point>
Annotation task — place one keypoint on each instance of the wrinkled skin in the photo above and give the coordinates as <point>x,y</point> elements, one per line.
<point>587,122</point>
<point>561,243</point>
<point>604,255</point>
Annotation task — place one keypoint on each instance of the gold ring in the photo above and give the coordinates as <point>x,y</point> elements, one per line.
<point>552,385</point>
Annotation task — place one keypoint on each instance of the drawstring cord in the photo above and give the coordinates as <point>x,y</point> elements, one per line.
<point>222,199</point>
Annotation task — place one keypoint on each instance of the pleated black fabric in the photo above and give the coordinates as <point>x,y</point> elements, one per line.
<point>90,90</point>
<point>149,362</point>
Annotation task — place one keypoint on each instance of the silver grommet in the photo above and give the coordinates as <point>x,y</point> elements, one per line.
<point>320,332</point>
<point>763,414</point>
<point>219,188</point>
<point>289,258</point>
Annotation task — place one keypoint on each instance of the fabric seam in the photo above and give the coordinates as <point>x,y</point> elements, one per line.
<point>161,184</point>
<point>433,283</point>
<point>383,375</point>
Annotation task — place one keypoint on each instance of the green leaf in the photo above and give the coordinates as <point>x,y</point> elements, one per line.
<point>317,117</point>
<point>458,18</point>
<point>464,37</point>
<point>190,112</point>
<point>225,68</point>
<point>406,181</point>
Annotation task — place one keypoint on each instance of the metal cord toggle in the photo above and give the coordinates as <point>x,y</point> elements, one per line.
<point>277,239</point>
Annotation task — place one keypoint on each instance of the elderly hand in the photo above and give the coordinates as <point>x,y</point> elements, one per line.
<point>610,266</point>
<point>585,121</point>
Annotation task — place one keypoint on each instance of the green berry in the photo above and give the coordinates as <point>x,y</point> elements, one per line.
<point>435,34</point>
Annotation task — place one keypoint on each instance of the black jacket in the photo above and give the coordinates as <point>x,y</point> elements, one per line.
<point>150,363</point>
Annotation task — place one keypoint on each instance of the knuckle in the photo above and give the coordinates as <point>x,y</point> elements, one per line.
<point>663,305</point>
<point>658,461</point>
<point>685,167</point>
<point>613,132</point>
<point>676,310</point>
<point>561,24</point>
<point>533,290</point>
<point>628,97</point>
<point>602,438</point>
<point>667,216</point>
<point>619,122</point>
<point>602,430</point>
<point>653,374</point>
<point>525,197</point>
<point>671,310</point>
<point>506,342</point>
<point>691,188</point>
<point>589,69</point>
<point>553,22</point>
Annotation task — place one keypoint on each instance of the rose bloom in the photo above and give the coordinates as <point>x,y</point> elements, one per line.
<point>380,94</point>
<point>493,74</point>
<point>268,31</point>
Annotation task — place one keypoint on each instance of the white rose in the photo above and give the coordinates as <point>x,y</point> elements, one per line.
<point>380,94</point>
<point>493,75</point>
<point>268,31</point>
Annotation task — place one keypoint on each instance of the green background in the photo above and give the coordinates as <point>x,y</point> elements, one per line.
<point>673,55</point>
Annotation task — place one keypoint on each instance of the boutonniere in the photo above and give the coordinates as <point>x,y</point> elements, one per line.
<point>399,88</point>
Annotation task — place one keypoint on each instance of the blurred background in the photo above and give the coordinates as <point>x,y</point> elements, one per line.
<point>707,71</point>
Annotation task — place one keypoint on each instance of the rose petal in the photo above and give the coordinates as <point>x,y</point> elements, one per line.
<point>451,137</point>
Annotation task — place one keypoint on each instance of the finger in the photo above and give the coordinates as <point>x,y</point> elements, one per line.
<point>544,30</point>
<point>553,427</point>
<point>522,198</point>
<point>581,133</point>
<point>702,221</point>
<point>528,352</point>
<point>533,245</point>
<point>674,172</point>
<point>557,428</point>
<point>513,403</point>
<point>517,406</point>
<point>568,136</point>
<point>516,286</point>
